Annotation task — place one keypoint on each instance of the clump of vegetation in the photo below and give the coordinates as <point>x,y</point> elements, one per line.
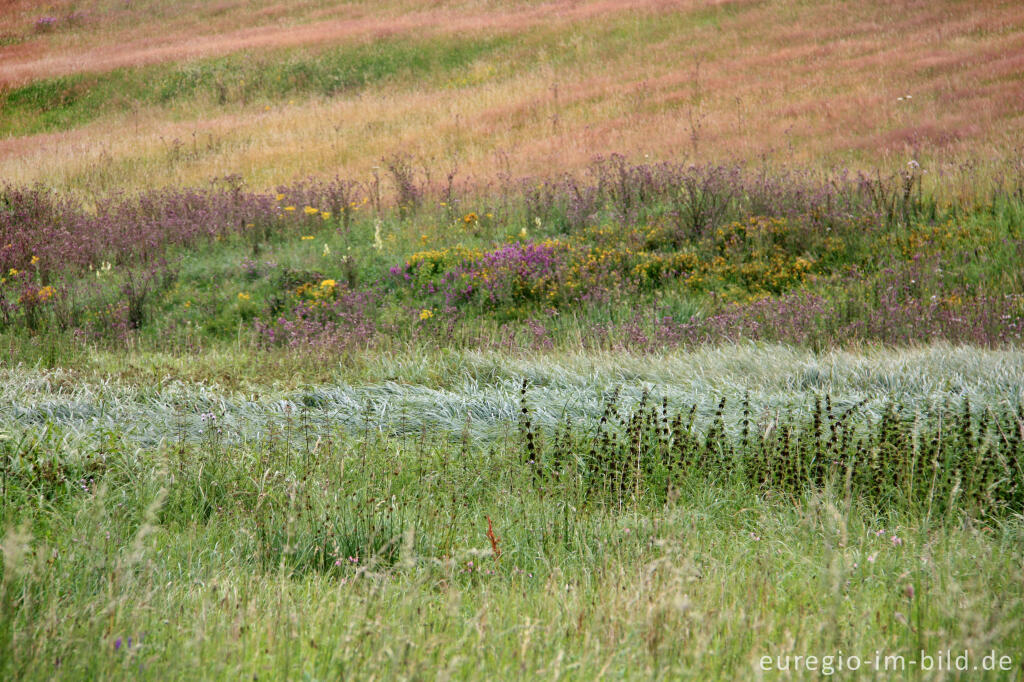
<point>604,260</point>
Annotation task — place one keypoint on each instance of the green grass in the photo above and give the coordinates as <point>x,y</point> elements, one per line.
<point>467,498</point>
<point>213,544</point>
<point>255,79</point>
<point>143,393</point>
<point>244,79</point>
<point>224,551</point>
<point>213,295</point>
<point>246,509</point>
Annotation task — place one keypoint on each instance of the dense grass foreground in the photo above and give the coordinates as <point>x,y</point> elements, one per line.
<point>345,533</point>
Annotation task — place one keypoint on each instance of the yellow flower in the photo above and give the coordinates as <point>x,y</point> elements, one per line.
<point>426,314</point>
<point>280,197</point>
<point>469,218</point>
<point>327,251</point>
<point>242,296</point>
<point>12,272</point>
<point>307,237</point>
<point>309,210</point>
<point>35,259</point>
<point>46,293</point>
<point>325,214</point>
<point>289,208</point>
<point>188,304</point>
<point>328,283</point>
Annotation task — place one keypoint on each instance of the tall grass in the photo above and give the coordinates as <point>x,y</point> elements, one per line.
<point>147,397</point>
<point>668,80</point>
<point>365,551</point>
<point>647,257</point>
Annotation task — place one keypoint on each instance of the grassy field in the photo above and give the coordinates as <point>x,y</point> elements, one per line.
<point>343,529</point>
<point>113,97</point>
<point>518,340</point>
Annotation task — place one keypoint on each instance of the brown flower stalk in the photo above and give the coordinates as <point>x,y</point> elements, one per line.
<point>495,540</point>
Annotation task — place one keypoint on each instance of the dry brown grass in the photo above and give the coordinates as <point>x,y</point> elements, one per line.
<point>792,82</point>
<point>196,34</point>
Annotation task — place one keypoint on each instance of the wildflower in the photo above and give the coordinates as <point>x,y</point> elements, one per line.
<point>289,208</point>
<point>470,218</point>
<point>35,259</point>
<point>426,314</point>
<point>325,214</point>
<point>309,210</point>
<point>872,558</point>
<point>188,304</point>
<point>327,251</point>
<point>522,233</point>
<point>242,296</point>
<point>378,243</point>
<point>896,541</point>
<point>280,197</point>
<point>307,237</point>
<point>328,283</point>
<point>12,272</point>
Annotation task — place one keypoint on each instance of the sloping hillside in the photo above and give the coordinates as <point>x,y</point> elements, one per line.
<point>102,95</point>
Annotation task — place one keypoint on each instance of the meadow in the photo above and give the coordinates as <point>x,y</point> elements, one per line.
<point>530,340</point>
